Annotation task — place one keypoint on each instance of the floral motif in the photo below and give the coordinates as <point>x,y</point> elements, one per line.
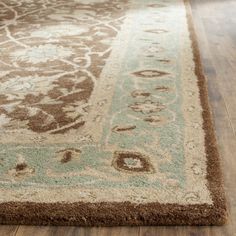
<point>132,162</point>
<point>140,93</point>
<point>21,170</point>
<point>162,89</point>
<point>123,128</point>
<point>150,73</point>
<point>68,154</point>
<point>15,87</point>
<point>147,107</point>
<point>196,169</point>
<point>55,31</point>
<point>42,53</point>
<point>156,120</point>
<point>156,31</point>
<point>191,197</point>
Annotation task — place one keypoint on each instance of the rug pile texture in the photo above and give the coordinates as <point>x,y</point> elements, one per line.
<point>104,116</point>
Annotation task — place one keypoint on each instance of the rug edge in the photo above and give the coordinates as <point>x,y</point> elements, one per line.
<point>214,170</point>
<point>126,213</point>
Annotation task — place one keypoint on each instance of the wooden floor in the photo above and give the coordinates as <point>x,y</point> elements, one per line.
<point>215,23</point>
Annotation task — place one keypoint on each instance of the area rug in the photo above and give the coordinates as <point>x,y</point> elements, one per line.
<point>104,116</point>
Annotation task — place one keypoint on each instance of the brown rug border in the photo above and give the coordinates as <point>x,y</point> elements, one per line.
<point>126,213</point>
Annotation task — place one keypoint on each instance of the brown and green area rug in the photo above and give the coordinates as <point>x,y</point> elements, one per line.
<point>104,116</point>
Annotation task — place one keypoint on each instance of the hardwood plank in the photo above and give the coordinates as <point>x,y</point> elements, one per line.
<point>222,46</point>
<point>8,230</point>
<point>36,230</point>
<point>109,231</point>
<point>48,230</point>
<point>173,231</point>
<point>72,231</point>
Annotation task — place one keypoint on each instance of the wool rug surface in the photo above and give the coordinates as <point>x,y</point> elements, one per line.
<point>104,116</point>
